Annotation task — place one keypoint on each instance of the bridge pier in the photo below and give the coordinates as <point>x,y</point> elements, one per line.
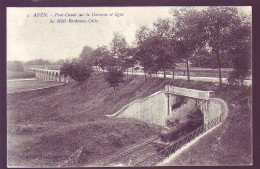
<point>67,80</point>
<point>62,79</point>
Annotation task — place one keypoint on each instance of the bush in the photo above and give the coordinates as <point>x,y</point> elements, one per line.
<point>114,77</point>
<point>15,66</point>
<point>78,70</point>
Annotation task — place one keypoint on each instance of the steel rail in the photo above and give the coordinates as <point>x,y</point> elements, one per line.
<point>128,151</point>
<point>182,141</point>
<point>173,147</point>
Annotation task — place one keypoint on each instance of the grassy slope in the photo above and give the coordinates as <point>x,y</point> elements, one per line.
<point>18,75</point>
<point>61,119</point>
<point>19,86</point>
<point>56,121</point>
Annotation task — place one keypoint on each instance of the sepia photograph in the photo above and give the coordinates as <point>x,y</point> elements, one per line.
<point>129,86</point>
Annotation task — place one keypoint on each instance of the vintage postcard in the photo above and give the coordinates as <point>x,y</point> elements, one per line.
<point>129,86</point>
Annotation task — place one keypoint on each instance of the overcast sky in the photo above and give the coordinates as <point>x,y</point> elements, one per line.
<point>31,37</point>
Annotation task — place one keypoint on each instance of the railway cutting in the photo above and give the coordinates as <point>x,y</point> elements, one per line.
<point>187,114</point>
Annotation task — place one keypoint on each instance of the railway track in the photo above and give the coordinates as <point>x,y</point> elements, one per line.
<point>129,156</point>
<point>142,154</point>
<point>145,153</point>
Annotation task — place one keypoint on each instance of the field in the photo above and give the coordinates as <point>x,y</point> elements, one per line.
<point>31,84</point>
<point>46,126</point>
<point>19,75</point>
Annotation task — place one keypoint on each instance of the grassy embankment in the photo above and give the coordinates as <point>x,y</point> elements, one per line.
<point>47,126</point>
<point>25,85</point>
<point>20,75</point>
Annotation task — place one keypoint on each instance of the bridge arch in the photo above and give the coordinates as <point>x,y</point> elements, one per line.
<point>48,74</point>
<point>157,107</point>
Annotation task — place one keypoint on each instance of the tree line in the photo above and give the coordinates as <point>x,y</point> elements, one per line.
<point>216,36</point>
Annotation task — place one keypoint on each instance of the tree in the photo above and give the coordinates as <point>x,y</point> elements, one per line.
<point>60,62</point>
<point>15,66</point>
<point>164,45</point>
<point>119,49</point>
<point>175,57</point>
<point>188,24</point>
<point>101,54</point>
<point>87,55</point>
<point>114,77</point>
<point>38,62</point>
<point>156,48</point>
<point>129,61</point>
<point>66,69</point>
<point>219,23</point>
<point>240,52</point>
<point>152,55</point>
<point>158,58</point>
<point>142,54</point>
<point>204,60</point>
<point>78,70</point>
<point>110,61</point>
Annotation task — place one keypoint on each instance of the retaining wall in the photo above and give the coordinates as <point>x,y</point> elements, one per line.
<point>152,109</point>
<point>157,107</point>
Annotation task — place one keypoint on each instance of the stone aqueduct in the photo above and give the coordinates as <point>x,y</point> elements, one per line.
<point>48,74</point>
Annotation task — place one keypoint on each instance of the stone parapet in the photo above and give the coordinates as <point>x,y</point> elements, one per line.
<point>198,94</point>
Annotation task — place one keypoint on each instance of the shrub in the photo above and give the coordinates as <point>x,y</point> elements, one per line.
<point>78,70</point>
<point>114,77</point>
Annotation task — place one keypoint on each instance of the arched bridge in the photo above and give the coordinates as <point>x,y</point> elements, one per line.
<point>161,105</point>
<point>49,74</point>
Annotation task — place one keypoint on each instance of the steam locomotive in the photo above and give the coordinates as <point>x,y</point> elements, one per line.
<point>178,128</point>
